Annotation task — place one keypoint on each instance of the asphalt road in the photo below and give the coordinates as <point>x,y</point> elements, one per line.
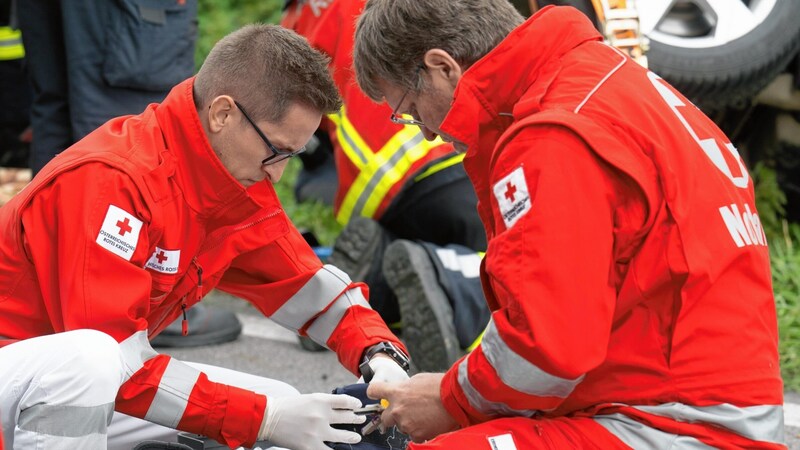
<point>268,350</point>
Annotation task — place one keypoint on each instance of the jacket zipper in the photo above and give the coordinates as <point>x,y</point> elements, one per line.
<point>221,239</point>
<point>185,321</point>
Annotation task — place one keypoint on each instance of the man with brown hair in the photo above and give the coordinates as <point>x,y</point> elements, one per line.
<point>122,232</point>
<point>627,270</point>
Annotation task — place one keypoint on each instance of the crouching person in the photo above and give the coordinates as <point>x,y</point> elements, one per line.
<point>118,235</point>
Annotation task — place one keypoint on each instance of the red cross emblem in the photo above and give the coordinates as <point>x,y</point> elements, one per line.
<point>161,257</point>
<point>124,226</point>
<point>510,191</point>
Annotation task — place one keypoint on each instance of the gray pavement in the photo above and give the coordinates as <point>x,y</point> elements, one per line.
<point>268,350</point>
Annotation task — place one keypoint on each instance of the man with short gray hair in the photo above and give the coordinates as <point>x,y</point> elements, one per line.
<point>117,236</point>
<point>627,269</point>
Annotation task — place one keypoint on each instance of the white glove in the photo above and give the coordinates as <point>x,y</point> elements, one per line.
<point>303,422</point>
<point>386,369</point>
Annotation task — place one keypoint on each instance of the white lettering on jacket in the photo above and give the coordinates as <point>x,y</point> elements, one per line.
<point>745,227</point>
<point>119,233</point>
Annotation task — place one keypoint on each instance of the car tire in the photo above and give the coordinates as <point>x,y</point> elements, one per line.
<point>717,73</point>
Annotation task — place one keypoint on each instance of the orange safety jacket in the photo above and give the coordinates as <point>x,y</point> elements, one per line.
<point>627,269</point>
<point>137,222</point>
<point>374,157</point>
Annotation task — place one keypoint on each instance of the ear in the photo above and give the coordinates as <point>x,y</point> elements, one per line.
<point>440,65</point>
<point>220,113</point>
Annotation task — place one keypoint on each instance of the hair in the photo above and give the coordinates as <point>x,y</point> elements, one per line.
<point>267,68</point>
<point>392,36</point>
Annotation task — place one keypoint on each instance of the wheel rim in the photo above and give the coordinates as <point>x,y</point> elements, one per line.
<point>701,23</point>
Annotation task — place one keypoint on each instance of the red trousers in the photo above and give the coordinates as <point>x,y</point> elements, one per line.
<point>559,433</point>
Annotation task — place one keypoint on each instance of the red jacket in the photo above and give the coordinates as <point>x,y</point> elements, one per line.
<point>627,270</point>
<point>139,220</point>
<point>374,157</point>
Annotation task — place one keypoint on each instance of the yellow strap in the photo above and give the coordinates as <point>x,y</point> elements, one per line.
<point>380,171</point>
<point>476,342</point>
<point>11,44</point>
<point>441,165</point>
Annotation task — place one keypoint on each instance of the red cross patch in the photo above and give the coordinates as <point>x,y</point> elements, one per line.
<point>119,233</point>
<point>164,261</point>
<point>512,196</point>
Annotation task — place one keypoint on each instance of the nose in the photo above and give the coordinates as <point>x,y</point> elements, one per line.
<point>427,133</point>
<point>275,171</point>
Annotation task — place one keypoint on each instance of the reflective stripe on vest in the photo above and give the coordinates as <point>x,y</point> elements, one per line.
<point>11,44</point>
<point>441,165</point>
<point>380,171</point>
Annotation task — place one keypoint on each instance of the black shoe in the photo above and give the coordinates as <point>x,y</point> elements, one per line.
<point>357,247</point>
<point>428,328</point>
<point>207,326</point>
<point>358,251</point>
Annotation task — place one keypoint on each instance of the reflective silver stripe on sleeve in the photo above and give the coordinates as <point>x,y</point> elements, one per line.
<point>480,403</point>
<point>520,374</point>
<point>762,423</point>
<point>135,351</point>
<point>322,328</point>
<point>638,435</point>
<point>312,298</point>
<point>66,421</point>
<point>173,393</point>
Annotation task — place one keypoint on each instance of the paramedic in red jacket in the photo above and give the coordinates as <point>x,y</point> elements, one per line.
<point>122,232</point>
<point>627,269</point>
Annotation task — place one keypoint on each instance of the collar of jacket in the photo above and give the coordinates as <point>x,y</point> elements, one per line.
<point>206,185</point>
<point>510,80</point>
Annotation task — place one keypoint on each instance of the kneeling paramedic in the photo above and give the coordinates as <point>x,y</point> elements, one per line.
<point>627,270</point>
<point>122,232</point>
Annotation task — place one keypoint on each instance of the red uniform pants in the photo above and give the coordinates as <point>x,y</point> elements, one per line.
<point>559,433</point>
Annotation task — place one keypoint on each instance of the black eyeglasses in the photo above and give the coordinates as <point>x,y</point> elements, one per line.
<point>400,119</point>
<point>278,155</point>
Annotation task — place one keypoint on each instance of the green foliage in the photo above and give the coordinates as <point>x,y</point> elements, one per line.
<point>784,241</point>
<point>770,200</point>
<point>308,215</point>
<point>785,256</point>
<point>220,17</point>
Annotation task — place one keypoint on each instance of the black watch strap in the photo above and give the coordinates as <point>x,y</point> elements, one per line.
<point>388,349</point>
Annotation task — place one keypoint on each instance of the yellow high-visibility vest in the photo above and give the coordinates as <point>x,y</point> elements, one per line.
<point>378,171</point>
<point>11,44</point>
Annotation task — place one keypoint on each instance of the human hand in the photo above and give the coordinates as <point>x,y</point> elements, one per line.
<point>386,369</point>
<point>414,406</point>
<point>303,422</point>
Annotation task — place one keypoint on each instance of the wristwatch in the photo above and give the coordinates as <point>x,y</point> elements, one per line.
<point>390,350</point>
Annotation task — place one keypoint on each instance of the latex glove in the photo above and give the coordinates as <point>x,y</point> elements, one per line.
<point>303,422</point>
<point>386,369</point>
